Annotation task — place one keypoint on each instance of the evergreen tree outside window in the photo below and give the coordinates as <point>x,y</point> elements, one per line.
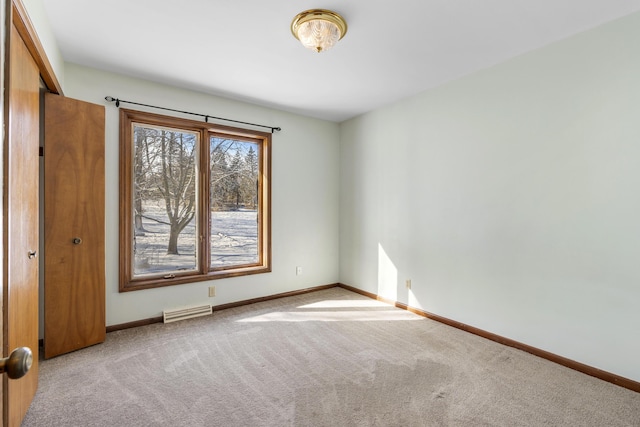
<point>234,185</point>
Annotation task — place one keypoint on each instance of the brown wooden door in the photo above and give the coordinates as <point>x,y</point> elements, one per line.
<point>20,223</point>
<point>74,281</point>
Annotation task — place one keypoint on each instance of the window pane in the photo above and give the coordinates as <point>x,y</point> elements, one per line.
<point>164,200</point>
<point>234,202</point>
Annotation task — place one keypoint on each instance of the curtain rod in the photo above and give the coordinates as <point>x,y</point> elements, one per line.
<point>206,116</point>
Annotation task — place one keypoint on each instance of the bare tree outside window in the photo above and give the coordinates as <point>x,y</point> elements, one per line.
<point>164,199</point>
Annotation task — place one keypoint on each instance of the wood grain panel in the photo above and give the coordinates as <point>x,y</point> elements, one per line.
<point>74,276</point>
<point>20,222</point>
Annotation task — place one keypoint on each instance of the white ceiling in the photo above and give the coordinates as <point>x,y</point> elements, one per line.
<point>244,50</point>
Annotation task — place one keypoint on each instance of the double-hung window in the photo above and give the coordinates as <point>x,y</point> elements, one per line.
<point>194,201</point>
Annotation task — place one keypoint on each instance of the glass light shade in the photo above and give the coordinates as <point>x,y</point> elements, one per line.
<point>318,29</point>
<point>318,35</point>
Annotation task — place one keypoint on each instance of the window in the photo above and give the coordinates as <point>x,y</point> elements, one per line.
<point>194,201</point>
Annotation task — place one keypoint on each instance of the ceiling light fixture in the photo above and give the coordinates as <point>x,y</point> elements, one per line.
<point>318,29</point>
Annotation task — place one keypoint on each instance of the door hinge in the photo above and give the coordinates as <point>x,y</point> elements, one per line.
<point>41,151</point>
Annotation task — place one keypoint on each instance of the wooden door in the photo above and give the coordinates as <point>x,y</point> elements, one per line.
<point>74,282</point>
<point>20,223</point>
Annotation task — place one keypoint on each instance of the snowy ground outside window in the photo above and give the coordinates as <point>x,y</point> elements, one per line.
<point>234,241</point>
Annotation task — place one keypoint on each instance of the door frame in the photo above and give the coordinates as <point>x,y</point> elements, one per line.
<point>14,13</point>
<point>17,13</point>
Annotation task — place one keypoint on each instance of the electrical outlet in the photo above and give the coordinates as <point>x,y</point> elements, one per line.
<point>408,282</point>
<point>212,291</point>
<point>298,271</point>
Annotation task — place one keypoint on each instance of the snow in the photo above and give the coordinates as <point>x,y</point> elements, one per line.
<point>234,241</point>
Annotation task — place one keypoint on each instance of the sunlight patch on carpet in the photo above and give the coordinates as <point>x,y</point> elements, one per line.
<point>388,314</point>
<point>346,303</point>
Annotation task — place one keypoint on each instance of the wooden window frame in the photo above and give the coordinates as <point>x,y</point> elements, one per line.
<point>127,282</point>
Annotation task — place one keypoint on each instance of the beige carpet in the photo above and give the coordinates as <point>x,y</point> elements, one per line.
<point>328,358</point>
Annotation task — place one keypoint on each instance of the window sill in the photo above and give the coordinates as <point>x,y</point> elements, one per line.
<point>157,282</point>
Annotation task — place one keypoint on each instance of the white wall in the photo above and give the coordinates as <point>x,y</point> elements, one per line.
<point>510,198</point>
<point>304,196</point>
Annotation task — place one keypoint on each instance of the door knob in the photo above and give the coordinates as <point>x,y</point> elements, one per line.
<point>77,240</point>
<point>18,363</point>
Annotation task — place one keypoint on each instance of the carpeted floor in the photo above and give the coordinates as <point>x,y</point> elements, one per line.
<point>327,358</point>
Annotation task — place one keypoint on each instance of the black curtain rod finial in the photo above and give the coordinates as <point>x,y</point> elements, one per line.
<point>111,99</point>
